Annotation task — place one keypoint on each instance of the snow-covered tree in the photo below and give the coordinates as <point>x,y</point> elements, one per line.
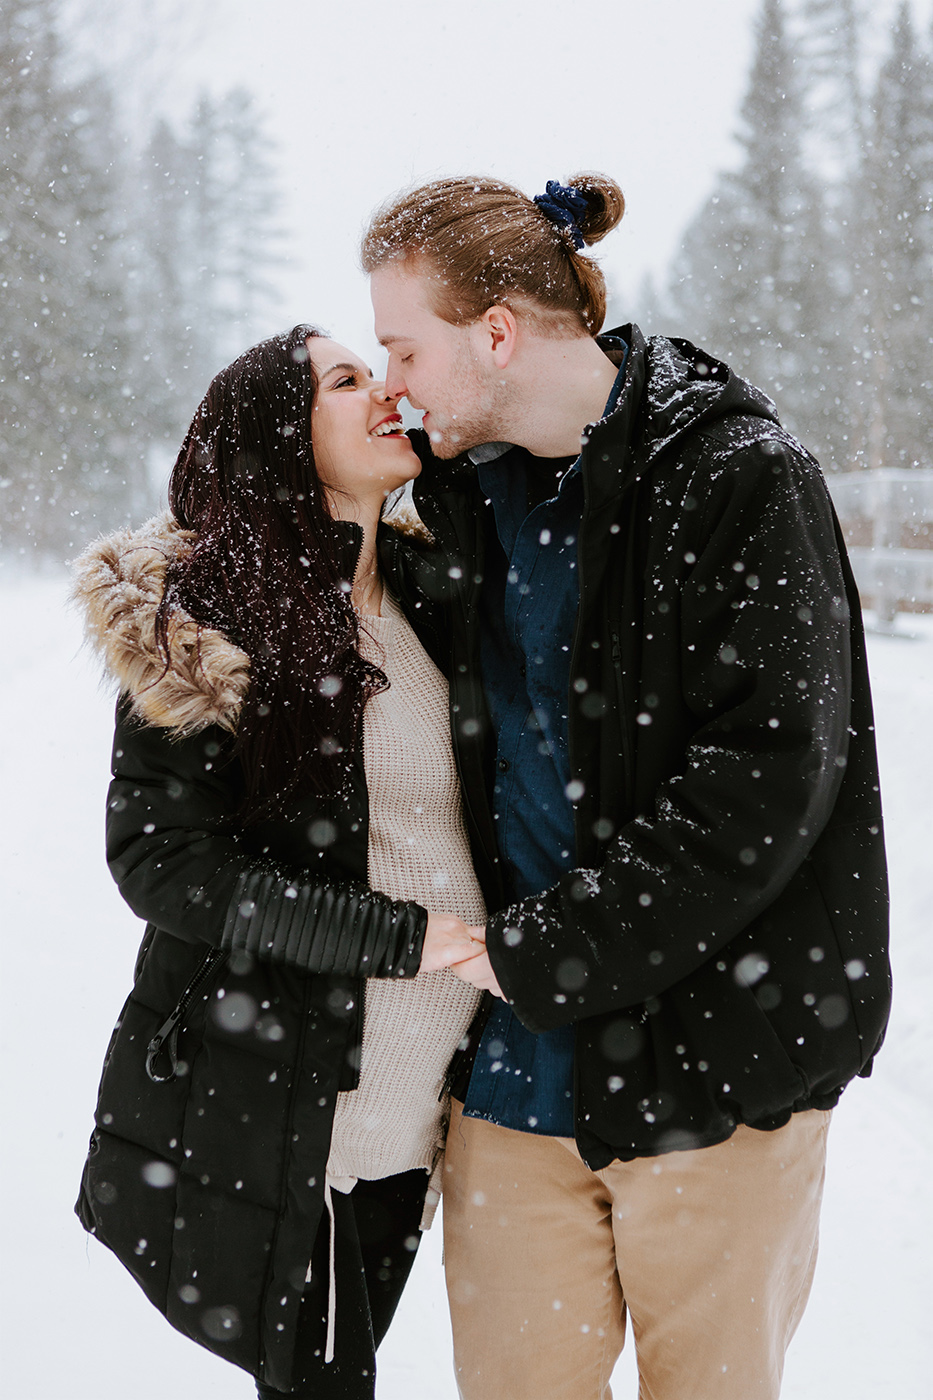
<point>251,233</point>
<point>811,265</point>
<point>830,49</point>
<point>206,240</point>
<point>64,441</point>
<point>126,283</point>
<point>897,187</point>
<point>750,280</point>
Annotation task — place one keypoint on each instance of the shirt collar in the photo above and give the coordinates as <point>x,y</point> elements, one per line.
<point>488,452</point>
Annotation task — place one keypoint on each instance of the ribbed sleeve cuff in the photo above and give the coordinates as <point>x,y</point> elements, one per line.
<point>340,929</point>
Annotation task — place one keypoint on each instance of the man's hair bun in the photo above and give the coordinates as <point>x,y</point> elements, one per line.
<point>605,204</point>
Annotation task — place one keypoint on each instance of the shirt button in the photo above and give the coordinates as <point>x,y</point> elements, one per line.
<point>521,670</point>
<point>503,765</point>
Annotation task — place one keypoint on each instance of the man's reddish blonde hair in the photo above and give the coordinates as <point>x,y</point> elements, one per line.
<point>484,243</point>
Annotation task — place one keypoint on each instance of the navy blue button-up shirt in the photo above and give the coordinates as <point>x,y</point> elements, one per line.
<point>528,614</point>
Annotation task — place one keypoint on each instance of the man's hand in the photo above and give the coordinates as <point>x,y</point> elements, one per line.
<point>447,941</point>
<point>477,970</point>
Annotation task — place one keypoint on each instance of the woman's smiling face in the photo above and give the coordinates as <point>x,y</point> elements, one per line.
<point>360,449</point>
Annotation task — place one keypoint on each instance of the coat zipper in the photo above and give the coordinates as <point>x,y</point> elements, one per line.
<point>286,1167</point>
<point>166,1037</point>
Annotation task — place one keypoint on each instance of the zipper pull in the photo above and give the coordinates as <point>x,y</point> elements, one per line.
<point>170,1028</point>
<point>167,1031</point>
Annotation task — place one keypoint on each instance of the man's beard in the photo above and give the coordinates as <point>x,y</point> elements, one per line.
<point>479,416</point>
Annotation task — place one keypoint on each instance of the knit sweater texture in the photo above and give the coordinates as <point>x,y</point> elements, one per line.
<point>418,850</point>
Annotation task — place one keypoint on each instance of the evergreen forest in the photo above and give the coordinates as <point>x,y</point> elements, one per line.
<point>131,270</point>
<point>134,265</point>
<point>810,267</point>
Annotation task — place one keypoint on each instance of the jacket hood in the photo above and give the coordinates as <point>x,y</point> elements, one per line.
<point>118,585</point>
<point>676,388</point>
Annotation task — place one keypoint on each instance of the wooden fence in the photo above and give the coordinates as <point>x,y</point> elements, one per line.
<point>887,518</point>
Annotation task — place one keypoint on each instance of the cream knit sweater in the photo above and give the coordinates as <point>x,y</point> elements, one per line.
<point>418,850</point>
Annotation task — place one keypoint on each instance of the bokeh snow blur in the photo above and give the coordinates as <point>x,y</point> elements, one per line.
<point>77,1327</point>
<point>359,101</point>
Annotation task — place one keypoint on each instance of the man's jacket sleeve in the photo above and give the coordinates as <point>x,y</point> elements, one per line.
<point>765,674</point>
<point>174,849</point>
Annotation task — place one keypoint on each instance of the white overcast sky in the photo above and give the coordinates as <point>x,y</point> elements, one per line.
<point>363,98</point>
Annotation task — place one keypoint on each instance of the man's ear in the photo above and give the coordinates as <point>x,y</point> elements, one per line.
<point>494,336</point>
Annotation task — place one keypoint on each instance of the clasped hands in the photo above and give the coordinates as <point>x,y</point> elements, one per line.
<point>449,942</point>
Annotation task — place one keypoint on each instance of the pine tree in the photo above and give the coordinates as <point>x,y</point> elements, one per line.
<point>63,338</point>
<point>174,362</point>
<point>897,186</point>
<point>206,240</point>
<point>251,232</point>
<point>750,278</point>
<point>831,59</point>
<point>831,53</point>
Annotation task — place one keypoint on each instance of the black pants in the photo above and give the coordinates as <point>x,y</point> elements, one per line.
<point>375,1238</point>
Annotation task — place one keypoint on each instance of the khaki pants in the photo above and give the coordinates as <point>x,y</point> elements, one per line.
<point>711,1252</point>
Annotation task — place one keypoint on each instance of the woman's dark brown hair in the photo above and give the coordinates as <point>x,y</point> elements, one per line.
<point>486,243</point>
<point>267,570</point>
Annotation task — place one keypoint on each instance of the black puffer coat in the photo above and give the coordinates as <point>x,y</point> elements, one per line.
<point>206,1167</point>
<point>722,951</point>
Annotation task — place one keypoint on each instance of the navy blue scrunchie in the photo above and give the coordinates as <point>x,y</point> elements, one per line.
<point>562,204</point>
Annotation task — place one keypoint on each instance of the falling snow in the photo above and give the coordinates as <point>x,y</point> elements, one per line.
<point>75,966</point>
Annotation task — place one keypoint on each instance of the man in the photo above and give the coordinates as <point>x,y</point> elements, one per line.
<point>662,720</point>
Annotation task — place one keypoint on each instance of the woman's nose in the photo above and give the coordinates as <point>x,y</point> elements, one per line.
<point>381,392</point>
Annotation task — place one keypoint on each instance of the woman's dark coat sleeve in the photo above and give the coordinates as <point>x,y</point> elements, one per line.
<point>181,863</point>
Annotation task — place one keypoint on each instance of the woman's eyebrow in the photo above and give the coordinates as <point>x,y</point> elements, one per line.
<point>354,369</point>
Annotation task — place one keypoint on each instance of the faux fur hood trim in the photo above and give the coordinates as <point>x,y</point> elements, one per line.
<point>118,585</point>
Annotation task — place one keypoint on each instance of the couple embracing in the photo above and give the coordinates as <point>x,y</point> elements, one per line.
<point>525,850</point>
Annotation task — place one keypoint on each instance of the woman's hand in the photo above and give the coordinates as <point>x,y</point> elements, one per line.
<point>447,941</point>
<point>477,970</point>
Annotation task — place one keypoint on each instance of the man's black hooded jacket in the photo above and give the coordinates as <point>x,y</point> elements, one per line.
<point>722,946</point>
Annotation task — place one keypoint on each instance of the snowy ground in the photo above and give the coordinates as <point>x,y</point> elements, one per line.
<point>77,1327</point>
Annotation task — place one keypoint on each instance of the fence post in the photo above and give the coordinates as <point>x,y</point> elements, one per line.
<point>885,536</point>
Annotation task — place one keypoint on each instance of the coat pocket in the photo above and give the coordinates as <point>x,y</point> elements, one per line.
<point>162,1062</point>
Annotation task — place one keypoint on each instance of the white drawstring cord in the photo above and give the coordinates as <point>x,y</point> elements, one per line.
<point>331,1277</point>
<point>345,1186</point>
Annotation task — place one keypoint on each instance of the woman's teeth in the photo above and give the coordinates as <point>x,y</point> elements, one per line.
<point>384,429</point>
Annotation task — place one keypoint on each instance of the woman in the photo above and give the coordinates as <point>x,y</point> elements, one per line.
<point>285,815</point>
